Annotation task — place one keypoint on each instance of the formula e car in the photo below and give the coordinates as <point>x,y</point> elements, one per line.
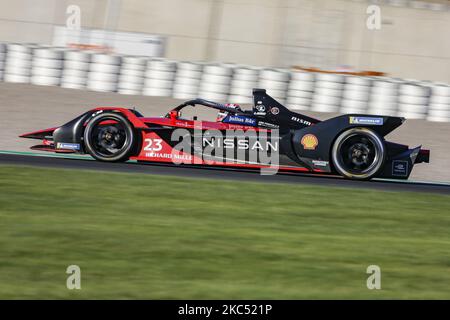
<point>268,136</point>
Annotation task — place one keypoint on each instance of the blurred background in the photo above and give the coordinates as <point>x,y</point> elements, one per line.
<point>323,57</point>
<point>150,236</point>
<point>412,42</point>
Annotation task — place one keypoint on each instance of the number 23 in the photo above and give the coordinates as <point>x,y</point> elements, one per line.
<point>153,145</point>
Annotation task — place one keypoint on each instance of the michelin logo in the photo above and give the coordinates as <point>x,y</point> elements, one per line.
<point>366,121</point>
<point>69,146</point>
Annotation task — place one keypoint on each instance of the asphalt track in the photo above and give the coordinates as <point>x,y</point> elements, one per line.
<point>26,108</point>
<point>87,163</point>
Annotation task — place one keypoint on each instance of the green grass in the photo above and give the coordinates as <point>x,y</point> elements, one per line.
<point>152,237</point>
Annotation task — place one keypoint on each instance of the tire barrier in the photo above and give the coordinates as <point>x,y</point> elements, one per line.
<point>275,81</point>
<point>159,78</point>
<point>328,92</point>
<point>2,59</point>
<point>355,97</point>
<point>46,66</point>
<point>76,68</point>
<point>187,80</point>
<point>383,97</point>
<point>18,63</point>
<point>413,100</point>
<point>103,72</point>
<point>439,106</point>
<point>132,75</point>
<point>243,81</point>
<point>223,82</point>
<point>215,82</point>
<point>300,90</point>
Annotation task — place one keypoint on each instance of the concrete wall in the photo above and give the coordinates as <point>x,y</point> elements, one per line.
<point>412,43</point>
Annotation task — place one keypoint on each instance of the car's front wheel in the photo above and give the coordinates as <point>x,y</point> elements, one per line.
<point>109,137</point>
<point>358,153</point>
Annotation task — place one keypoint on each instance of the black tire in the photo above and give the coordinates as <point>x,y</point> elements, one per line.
<point>358,153</point>
<point>111,142</point>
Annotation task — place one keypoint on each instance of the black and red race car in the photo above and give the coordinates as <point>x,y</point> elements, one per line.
<point>268,136</point>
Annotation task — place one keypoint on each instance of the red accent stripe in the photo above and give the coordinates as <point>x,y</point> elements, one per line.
<point>39,132</point>
<point>205,125</point>
<point>136,121</point>
<point>237,165</point>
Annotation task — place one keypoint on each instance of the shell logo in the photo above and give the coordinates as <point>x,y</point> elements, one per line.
<point>309,142</point>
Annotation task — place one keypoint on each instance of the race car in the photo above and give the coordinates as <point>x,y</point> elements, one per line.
<point>269,136</point>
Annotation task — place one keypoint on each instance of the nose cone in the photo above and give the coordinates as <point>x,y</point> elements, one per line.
<point>40,134</point>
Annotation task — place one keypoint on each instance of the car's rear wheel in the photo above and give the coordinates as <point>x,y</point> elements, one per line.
<point>109,137</point>
<point>358,153</point>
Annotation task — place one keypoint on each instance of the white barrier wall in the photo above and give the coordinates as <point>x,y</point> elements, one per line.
<point>322,92</point>
<point>2,59</point>
<point>413,40</point>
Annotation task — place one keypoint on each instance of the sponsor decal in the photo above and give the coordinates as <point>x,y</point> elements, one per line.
<point>366,120</point>
<point>233,105</point>
<point>309,142</point>
<point>152,144</point>
<point>274,110</point>
<point>240,120</point>
<point>400,168</point>
<point>182,124</point>
<point>268,125</point>
<point>320,163</point>
<point>69,146</point>
<point>172,156</point>
<point>96,113</point>
<point>240,144</point>
<point>260,108</point>
<point>300,120</point>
